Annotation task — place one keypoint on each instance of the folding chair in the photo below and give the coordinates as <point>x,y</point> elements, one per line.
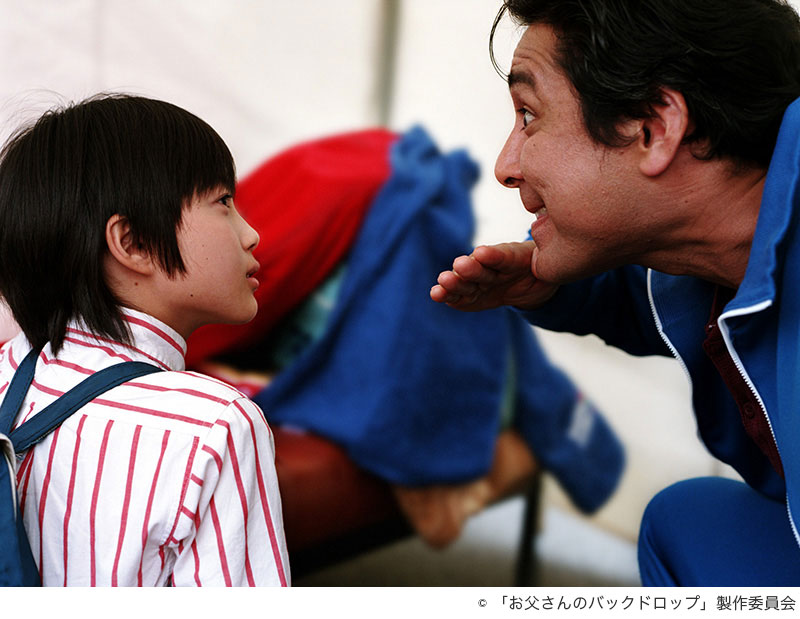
<point>335,511</point>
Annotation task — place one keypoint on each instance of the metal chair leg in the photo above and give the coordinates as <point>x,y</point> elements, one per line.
<point>527,564</point>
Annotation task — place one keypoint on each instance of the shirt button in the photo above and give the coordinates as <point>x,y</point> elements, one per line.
<point>749,410</point>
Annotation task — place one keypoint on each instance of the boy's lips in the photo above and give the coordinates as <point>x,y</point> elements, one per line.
<point>251,275</point>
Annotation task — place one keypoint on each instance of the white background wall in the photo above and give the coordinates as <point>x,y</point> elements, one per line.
<point>268,73</point>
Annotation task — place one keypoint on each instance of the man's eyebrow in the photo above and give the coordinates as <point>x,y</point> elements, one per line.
<point>521,77</point>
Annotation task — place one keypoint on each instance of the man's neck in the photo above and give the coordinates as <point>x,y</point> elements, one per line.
<point>713,240</point>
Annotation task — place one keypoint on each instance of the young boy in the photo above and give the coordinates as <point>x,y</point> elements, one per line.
<point>118,238</point>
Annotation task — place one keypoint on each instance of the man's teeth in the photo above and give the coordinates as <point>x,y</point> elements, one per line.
<point>540,213</point>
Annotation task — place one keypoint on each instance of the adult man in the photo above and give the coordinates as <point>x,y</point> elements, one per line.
<point>642,139</point>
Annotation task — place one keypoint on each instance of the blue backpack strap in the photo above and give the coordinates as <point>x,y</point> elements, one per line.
<point>49,418</point>
<point>17,390</point>
<point>17,566</point>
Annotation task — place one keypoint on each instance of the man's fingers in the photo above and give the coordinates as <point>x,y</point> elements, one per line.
<point>487,265</point>
<point>457,301</point>
<point>442,295</point>
<point>485,278</point>
<point>505,257</point>
<point>454,283</point>
<point>470,270</point>
<point>438,294</point>
<point>453,289</point>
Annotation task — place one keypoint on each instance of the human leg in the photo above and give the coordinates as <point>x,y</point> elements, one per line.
<point>717,532</point>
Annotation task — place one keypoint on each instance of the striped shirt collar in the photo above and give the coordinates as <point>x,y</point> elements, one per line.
<point>152,341</point>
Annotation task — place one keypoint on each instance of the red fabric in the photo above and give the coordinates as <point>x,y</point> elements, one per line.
<point>307,205</point>
<point>323,494</point>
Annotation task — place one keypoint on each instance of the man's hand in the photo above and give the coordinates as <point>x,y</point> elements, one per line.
<point>493,275</point>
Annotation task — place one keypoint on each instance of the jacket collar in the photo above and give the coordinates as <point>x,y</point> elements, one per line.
<point>777,204</point>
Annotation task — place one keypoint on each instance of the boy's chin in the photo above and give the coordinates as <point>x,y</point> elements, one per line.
<point>247,315</point>
<point>238,316</point>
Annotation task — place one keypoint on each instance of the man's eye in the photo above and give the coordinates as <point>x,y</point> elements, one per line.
<point>527,117</point>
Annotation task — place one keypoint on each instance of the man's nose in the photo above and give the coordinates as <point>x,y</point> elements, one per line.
<point>507,168</point>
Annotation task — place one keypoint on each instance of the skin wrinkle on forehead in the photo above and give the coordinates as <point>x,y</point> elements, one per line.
<point>522,77</point>
<point>533,63</point>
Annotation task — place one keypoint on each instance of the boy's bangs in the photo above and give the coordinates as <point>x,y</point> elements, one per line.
<point>204,163</point>
<point>65,176</point>
<point>172,157</point>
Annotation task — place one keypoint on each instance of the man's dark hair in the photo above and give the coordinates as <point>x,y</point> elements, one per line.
<point>63,177</point>
<point>736,62</point>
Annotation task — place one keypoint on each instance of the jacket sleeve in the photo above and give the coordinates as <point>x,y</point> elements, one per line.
<point>613,305</point>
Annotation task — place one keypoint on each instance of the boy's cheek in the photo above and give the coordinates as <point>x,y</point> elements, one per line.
<point>8,327</point>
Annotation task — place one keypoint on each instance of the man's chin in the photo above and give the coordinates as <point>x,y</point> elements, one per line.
<point>543,269</point>
<point>551,270</point>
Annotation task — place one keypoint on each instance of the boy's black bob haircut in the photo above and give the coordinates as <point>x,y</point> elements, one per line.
<point>736,62</point>
<point>63,177</point>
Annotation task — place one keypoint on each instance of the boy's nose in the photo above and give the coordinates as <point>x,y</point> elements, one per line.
<point>247,233</point>
<point>250,238</point>
<point>507,168</point>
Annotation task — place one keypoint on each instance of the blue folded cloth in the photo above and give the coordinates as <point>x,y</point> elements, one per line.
<point>412,389</point>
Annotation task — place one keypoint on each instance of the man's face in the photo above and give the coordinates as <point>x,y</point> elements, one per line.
<point>582,192</point>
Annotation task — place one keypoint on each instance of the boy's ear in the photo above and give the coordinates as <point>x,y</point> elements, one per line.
<point>124,249</point>
<point>661,135</point>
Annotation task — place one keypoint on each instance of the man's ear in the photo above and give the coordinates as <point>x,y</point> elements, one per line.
<point>661,135</point>
<point>123,247</point>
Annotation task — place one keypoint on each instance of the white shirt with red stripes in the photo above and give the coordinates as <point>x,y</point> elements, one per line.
<point>167,479</point>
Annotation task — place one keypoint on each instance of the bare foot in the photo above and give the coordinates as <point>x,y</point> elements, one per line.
<point>438,512</point>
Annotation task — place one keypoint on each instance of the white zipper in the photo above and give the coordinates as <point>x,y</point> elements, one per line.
<point>660,327</point>
<point>736,361</point>
<point>791,520</point>
<point>743,373</point>
<point>734,355</point>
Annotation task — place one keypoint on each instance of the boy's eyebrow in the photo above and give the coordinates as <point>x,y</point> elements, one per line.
<point>521,77</point>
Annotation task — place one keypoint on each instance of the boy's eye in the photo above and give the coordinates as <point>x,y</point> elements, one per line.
<point>227,200</point>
